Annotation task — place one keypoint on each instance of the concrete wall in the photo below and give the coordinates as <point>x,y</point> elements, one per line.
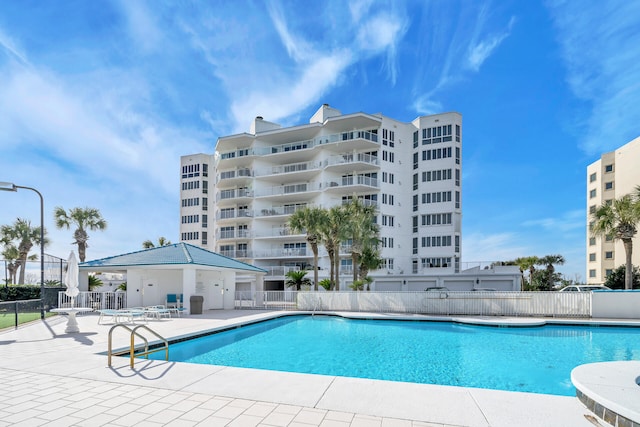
<point>616,305</point>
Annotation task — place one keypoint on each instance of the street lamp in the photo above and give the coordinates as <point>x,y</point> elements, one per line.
<point>9,186</point>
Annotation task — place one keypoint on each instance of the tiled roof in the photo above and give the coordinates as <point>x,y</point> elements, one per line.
<point>176,254</point>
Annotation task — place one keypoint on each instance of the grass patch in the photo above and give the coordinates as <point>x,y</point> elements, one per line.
<point>8,319</point>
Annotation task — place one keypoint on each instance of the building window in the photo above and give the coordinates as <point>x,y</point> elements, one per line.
<point>592,194</point>
<point>608,272</point>
<point>608,185</point>
<point>608,168</point>
<point>592,177</point>
<point>592,241</point>
<point>592,257</point>
<point>415,181</point>
<point>608,255</point>
<point>592,273</point>
<point>592,209</point>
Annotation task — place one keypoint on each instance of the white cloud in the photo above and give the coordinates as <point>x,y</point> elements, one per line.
<point>479,51</point>
<point>299,50</point>
<point>455,43</point>
<point>599,43</point>
<point>480,247</point>
<point>291,96</point>
<point>359,8</point>
<point>570,221</point>
<point>11,47</point>
<point>143,28</point>
<point>425,106</point>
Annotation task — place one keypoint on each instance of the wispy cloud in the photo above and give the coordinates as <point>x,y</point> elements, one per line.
<point>480,50</point>
<point>480,247</point>
<point>11,49</point>
<point>141,25</point>
<point>294,62</point>
<point>455,48</point>
<point>569,221</point>
<point>599,44</point>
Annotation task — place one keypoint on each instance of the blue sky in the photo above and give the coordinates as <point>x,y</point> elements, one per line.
<point>98,101</point>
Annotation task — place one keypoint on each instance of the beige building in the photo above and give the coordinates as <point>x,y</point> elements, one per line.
<point>616,173</point>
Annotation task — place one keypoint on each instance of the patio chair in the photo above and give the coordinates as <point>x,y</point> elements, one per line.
<point>128,315</point>
<point>172,301</point>
<point>157,311</point>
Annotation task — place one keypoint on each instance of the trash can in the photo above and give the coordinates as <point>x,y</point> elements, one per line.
<point>195,301</point>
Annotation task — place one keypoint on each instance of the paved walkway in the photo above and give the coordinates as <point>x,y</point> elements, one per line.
<point>52,378</point>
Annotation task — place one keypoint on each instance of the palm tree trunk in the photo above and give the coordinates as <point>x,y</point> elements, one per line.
<point>22,265</point>
<point>628,271</point>
<point>337,268</point>
<point>331,271</point>
<point>314,248</point>
<point>354,264</point>
<point>82,251</point>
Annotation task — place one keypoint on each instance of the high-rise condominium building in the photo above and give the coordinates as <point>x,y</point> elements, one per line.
<point>614,175</point>
<point>237,201</point>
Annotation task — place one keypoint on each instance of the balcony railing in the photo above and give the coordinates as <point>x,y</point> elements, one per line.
<point>349,181</point>
<point>241,213</point>
<point>302,145</point>
<point>288,189</point>
<point>273,253</point>
<point>281,210</point>
<point>233,234</point>
<point>237,173</point>
<point>233,194</point>
<point>353,158</point>
<point>290,168</point>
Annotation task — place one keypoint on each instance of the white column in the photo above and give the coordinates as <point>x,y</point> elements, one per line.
<point>188,286</point>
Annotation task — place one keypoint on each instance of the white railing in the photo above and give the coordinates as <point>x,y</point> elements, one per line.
<point>529,304</point>
<point>95,300</point>
<point>266,300</point>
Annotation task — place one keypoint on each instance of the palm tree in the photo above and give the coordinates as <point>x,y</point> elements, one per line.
<point>26,236</point>
<point>370,260</point>
<point>361,229</point>
<point>334,231</point>
<point>549,260</point>
<point>84,219</point>
<point>11,255</point>
<point>310,221</point>
<point>297,278</point>
<point>162,241</point>
<point>618,219</point>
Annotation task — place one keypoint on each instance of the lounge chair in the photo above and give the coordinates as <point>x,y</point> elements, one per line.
<point>172,301</point>
<point>128,315</point>
<point>157,311</point>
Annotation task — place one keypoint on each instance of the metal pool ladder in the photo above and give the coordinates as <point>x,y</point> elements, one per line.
<point>132,348</point>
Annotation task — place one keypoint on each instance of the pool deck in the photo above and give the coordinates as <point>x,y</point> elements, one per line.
<point>57,379</point>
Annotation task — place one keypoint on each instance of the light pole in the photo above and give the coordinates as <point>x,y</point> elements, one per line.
<point>9,186</point>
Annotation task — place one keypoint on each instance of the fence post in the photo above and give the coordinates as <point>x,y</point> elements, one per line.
<point>16,314</point>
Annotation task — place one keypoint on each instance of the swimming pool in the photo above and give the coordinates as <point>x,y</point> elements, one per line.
<point>530,359</point>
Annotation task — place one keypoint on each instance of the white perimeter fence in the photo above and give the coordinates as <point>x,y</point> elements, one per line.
<point>531,304</point>
<point>95,300</point>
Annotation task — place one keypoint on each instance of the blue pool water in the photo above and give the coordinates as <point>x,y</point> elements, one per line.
<point>536,359</point>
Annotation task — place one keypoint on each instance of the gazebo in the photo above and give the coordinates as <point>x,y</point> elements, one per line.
<point>179,268</point>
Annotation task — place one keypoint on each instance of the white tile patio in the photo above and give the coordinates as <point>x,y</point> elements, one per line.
<point>52,378</point>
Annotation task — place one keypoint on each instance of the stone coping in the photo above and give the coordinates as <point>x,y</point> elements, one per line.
<point>611,390</point>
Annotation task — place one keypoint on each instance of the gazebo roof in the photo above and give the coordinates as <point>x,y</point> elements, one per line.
<point>175,254</point>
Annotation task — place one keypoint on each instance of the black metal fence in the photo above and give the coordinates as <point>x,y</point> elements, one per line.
<point>15,313</point>
<point>54,270</point>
